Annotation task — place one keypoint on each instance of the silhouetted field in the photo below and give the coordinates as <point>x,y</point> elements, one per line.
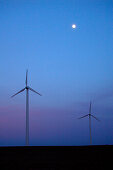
<point>57,157</point>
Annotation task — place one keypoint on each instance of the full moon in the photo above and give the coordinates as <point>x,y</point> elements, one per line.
<point>74,26</point>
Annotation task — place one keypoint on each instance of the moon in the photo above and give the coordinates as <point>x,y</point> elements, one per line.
<point>74,26</point>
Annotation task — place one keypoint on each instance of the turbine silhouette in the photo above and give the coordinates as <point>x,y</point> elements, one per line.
<point>27,88</point>
<point>89,121</point>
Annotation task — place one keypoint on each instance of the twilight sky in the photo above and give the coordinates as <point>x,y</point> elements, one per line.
<point>69,67</point>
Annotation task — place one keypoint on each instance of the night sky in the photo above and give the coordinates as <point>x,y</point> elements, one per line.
<point>69,67</point>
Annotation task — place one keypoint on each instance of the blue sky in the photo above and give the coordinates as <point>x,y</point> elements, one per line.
<point>69,67</point>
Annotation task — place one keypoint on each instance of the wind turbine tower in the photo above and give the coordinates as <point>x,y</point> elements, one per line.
<point>27,88</point>
<point>89,115</point>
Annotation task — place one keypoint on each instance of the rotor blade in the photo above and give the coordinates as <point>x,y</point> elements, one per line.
<point>34,91</point>
<point>83,116</point>
<point>90,108</point>
<point>26,77</point>
<point>18,92</point>
<point>95,117</point>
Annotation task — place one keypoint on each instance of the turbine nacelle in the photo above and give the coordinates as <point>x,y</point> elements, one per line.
<point>27,87</point>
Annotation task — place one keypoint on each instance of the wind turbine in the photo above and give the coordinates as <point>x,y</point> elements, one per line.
<point>89,115</point>
<point>27,88</point>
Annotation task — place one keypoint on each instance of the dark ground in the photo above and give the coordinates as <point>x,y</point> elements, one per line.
<point>57,157</point>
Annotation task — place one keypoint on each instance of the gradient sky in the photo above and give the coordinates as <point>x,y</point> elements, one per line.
<point>69,67</point>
